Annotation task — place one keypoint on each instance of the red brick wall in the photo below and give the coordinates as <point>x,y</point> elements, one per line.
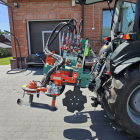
<point>97,14</point>
<point>39,10</point>
<point>53,9</point>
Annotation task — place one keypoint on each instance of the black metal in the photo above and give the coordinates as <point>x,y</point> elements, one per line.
<point>95,102</point>
<point>82,16</point>
<point>31,98</point>
<point>54,97</point>
<point>74,100</point>
<point>38,95</point>
<point>70,72</point>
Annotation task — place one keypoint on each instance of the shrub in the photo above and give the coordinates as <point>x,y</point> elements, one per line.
<point>2,52</point>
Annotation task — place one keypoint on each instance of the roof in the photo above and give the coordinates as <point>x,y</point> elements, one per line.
<point>7,36</point>
<point>2,45</point>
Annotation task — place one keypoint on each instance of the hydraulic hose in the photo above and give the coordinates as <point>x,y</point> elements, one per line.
<point>80,27</point>
<point>16,70</point>
<point>55,56</point>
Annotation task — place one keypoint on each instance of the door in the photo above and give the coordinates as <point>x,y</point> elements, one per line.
<point>39,30</point>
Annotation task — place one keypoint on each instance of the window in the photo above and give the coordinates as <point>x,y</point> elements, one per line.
<point>106,23</point>
<point>127,18</point>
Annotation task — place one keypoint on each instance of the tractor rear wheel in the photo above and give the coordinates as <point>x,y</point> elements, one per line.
<point>122,101</point>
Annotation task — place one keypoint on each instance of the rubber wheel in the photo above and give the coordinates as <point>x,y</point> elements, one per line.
<point>122,101</point>
<point>61,90</point>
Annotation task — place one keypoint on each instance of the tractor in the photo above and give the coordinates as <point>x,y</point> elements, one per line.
<point>119,94</point>
<point>114,76</point>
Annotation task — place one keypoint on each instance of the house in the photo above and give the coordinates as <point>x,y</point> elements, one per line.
<point>5,39</point>
<point>7,48</point>
<point>34,20</point>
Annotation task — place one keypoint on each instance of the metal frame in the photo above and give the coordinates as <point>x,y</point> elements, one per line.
<point>43,32</point>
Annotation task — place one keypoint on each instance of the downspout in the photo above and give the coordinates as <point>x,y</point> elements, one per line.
<point>2,2</point>
<point>82,17</point>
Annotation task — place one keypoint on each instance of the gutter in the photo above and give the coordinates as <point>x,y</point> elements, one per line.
<point>82,17</point>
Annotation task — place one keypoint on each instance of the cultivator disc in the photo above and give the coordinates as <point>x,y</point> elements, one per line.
<point>74,100</point>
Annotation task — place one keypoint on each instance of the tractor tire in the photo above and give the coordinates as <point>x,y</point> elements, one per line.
<point>121,101</point>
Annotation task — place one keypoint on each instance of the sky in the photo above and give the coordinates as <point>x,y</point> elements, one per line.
<point>4,19</point>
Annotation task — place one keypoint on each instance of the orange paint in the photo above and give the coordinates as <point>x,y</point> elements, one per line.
<point>50,60</point>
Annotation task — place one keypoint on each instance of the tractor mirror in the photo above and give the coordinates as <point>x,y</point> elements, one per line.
<point>88,2</point>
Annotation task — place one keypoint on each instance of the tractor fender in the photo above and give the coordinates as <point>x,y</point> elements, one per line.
<point>126,64</point>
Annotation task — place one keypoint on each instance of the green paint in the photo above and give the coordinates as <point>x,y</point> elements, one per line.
<point>83,77</point>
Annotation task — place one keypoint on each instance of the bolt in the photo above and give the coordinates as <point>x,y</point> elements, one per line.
<point>72,103</point>
<point>78,99</point>
<point>76,103</point>
<point>70,99</point>
<point>74,96</point>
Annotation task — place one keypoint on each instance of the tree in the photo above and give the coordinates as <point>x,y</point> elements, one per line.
<point>3,32</point>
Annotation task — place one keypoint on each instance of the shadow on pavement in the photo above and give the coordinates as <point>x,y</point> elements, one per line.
<point>35,70</point>
<point>100,127</point>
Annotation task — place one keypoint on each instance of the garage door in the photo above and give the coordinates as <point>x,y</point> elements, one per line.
<point>39,33</point>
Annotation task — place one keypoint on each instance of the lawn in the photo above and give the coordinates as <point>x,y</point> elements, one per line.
<point>5,61</point>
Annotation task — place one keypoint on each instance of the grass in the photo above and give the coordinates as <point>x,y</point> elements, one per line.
<point>5,61</point>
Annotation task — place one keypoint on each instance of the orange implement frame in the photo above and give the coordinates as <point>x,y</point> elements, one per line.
<point>49,59</point>
<point>63,76</point>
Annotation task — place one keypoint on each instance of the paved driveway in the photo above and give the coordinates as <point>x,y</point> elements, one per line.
<point>24,123</point>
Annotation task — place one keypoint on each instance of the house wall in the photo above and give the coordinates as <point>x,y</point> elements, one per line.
<point>39,10</point>
<point>51,10</point>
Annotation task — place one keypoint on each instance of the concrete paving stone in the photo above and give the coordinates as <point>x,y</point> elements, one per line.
<point>18,134</point>
<point>45,135</point>
<point>25,128</point>
<point>31,134</point>
<point>32,128</point>
<point>45,124</point>
<point>32,118</point>
<point>17,128</point>
<point>48,119</point>
<point>59,128</point>
<point>10,128</point>
<point>9,134</point>
<point>36,123</point>
<point>8,123</point>
<point>25,123</point>
<point>18,122</point>
<point>47,129</point>
<point>42,138</point>
<point>41,119</point>
<point>40,129</point>
<point>3,128</point>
